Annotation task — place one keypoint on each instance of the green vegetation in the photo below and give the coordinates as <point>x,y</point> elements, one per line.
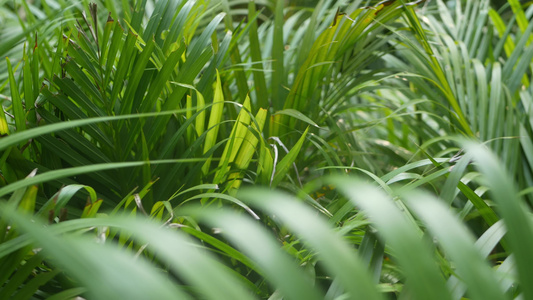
<point>196,149</point>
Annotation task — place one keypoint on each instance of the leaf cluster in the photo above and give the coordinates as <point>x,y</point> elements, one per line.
<point>207,149</point>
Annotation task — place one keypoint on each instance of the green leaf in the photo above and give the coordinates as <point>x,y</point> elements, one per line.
<point>236,139</point>
<point>214,122</point>
<point>331,249</point>
<point>400,233</point>
<point>278,48</point>
<point>261,90</point>
<point>282,168</point>
<point>458,243</point>
<point>264,250</point>
<point>58,174</point>
<point>513,210</point>
<point>82,259</point>
<point>247,150</point>
<point>16,100</point>
<point>297,115</point>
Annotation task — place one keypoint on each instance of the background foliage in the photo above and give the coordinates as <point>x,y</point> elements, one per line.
<point>241,150</point>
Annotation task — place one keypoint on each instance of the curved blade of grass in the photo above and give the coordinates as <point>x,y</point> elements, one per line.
<point>224,197</point>
<point>220,245</point>
<point>209,277</point>
<point>265,252</point>
<point>458,243</point>
<point>514,212</point>
<point>298,115</point>
<point>402,235</point>
<point>338,258</point>
<point>68,294</point>
<point>96,266</point>
<point>486,243</point>
<point>14,139</point>
<point>63,173</point>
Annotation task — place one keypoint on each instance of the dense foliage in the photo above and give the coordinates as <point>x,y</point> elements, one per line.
<point>232,149</point>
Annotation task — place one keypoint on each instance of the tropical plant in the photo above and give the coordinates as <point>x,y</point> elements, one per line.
<point>306,258</point>
<point>144,146</point>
